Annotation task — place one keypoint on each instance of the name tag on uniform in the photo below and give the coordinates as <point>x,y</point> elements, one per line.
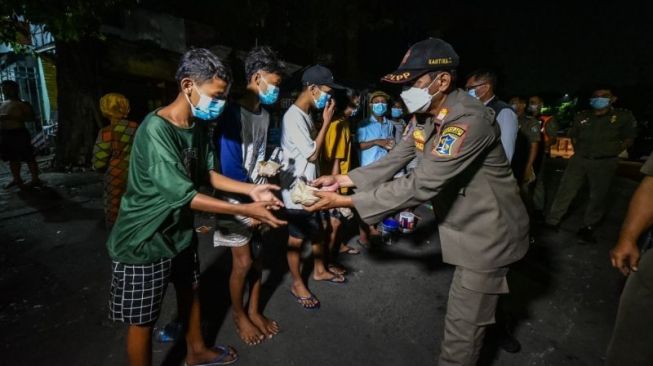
<point>450,141</point>
<point>419,137</point>
<point>443,113</point>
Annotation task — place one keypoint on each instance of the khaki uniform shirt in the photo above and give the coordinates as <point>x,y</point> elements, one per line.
<point>602,136</point>
<point>464,171</point>
<point>530,128</point>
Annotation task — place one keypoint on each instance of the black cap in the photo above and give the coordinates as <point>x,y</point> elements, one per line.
<point>319,75</point>
<point>431,54</point>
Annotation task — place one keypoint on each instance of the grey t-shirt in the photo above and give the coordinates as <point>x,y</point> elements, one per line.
<point>297,144</point>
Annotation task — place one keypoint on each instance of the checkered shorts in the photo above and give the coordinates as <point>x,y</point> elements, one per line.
<point>137,290</point>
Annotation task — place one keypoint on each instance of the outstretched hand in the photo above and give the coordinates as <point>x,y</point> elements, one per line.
<point>324,181</point>
<point>329,200</point>
<point>261,211</point>
<point>265,192</point>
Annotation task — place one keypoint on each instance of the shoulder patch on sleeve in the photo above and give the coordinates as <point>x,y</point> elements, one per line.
<point>450,141</point>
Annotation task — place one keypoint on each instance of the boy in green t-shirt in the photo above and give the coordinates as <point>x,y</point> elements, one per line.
<point>153,241</point>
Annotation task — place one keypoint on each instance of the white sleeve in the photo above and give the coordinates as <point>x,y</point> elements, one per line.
<point>508,125</point>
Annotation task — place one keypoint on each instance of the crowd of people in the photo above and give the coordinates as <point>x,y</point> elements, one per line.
<point>478,159</point>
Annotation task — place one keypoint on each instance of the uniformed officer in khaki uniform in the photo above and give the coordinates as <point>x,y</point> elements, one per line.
<point>527,145</point>
<point>599,136</point>
<point>549,128</point>
<point>483,225</point>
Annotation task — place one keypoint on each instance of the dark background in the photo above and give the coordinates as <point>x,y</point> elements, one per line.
<point>550,48</point>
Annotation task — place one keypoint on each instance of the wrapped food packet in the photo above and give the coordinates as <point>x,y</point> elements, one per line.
<point>268,168</point>
<point>302,193</point>
<point>346,212</point>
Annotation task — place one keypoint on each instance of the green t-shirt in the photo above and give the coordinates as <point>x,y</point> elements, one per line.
<point>166,167</point>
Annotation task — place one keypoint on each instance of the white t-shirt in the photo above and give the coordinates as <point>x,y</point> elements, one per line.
<point>297,144</point>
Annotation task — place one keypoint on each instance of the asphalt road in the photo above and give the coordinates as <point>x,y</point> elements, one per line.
<point>54,283</point>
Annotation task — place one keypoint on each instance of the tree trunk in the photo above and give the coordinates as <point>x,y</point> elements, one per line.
<point>78,102</point>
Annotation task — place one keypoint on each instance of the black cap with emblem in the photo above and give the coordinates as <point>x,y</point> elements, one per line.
<point>431,54</point>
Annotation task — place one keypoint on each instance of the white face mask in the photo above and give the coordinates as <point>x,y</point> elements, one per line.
<point>418,100</point>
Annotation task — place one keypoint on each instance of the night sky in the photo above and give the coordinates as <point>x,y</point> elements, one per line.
<point>550,48</point>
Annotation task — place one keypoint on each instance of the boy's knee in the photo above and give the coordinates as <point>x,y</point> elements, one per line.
<point>242,263</point>
<point>295,242</point>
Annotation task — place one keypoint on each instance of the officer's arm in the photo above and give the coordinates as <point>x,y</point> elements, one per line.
<point>449,156</point>
<point>386,167</point>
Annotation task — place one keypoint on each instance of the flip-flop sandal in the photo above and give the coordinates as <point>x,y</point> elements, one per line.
<point>302,301</point>
<point>336,279</point>
<point>351,251</point>
<point>337,270</point>
<point>227,351</point>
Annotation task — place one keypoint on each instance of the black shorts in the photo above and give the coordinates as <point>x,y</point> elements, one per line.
<point>16,145</point>
<point>304,225</point>
<point>137,290</point>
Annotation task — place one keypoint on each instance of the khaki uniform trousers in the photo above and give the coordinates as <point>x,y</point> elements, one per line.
<point>473,297</point>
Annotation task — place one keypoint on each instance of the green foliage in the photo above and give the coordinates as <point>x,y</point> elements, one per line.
<point>67,20</point>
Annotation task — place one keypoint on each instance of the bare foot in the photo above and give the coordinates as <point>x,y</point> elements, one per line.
<point>247,331</point>
<point>224,354</point>
<point>269,327</point>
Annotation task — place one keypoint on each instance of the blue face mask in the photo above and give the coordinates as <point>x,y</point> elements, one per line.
<point>379,109</point>
<point>599,103</point>
<point>207,108</point>
<point>396,112</point>
<point>472,92</point>
<point>322,100</point>
<point>270,95</point>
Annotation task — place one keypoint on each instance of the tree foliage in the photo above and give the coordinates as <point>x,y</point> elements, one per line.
<point>67,20</point>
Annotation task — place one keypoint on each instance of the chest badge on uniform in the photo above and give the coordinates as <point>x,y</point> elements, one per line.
<point>443,113</point>
<point>613,119</point>
<point>419,137</point>
<point>450,141</point>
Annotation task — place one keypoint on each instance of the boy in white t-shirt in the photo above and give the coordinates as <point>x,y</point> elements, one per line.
<point>301,143</point>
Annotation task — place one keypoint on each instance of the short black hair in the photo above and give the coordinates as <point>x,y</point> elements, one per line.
<point>263,58</point>
<point>486,74</point>
<point>200,65</point>
<point>344,98</point>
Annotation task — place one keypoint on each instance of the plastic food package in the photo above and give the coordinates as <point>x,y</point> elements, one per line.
<point>346,212</point>
<point>268,168</point>
<point>302,194</point>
